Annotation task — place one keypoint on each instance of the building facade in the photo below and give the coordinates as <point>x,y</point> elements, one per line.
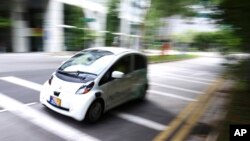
<point>41,25</point>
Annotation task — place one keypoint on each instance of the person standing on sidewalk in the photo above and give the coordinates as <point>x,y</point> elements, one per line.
<point>165,47</point>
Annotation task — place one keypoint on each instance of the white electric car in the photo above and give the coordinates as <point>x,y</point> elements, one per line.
<point>95,80</point>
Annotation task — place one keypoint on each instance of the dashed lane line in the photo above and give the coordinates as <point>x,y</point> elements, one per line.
<point>170,95</point>
<point>176,88</point>
<point>42,120</point>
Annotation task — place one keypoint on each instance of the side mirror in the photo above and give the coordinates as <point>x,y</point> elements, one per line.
<point>117,74</point>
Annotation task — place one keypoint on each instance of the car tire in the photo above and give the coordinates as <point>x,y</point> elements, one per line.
<point>95,111</point>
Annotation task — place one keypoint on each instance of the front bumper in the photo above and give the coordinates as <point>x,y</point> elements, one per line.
<point>72,105</point>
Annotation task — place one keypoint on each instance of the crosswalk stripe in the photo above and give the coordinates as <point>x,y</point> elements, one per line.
<point>42,120</point>
<point>176,88</point>
<point>141,121</point>
<point>178,69</point>
<point>170,95</point>
<point>28,104</point>
<point>22,82</point>
<point>182,76</point>
<point>135,119</point>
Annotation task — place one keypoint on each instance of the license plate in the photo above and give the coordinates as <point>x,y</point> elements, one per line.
<point>55,101</point>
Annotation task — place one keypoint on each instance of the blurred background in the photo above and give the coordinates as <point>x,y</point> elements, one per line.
<point>221,27</point>
<point>72,25</point>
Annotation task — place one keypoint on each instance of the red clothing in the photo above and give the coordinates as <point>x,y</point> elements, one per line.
<point>165,47</point>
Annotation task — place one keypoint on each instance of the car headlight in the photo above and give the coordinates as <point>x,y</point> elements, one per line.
<point>85,88</point>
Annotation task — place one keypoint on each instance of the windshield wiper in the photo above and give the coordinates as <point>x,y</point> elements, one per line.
<point>65,72</point>
<point>85,72</point>
<point>75,73</point>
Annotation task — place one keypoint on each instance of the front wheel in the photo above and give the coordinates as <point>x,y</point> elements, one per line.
<point>94,112</point>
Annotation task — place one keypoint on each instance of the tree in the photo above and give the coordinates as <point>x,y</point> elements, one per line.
<point>162,9</point>
<point>5,29</point>
<point>77,37</point>
<point>113,21</point>
<point>165,8</point>
<point>224,40</point>
<point>235,15</point>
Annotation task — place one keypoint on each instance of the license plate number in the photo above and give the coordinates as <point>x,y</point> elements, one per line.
<point>55,101</point>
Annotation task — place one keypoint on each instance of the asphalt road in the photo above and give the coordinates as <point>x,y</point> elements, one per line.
<point>173,86</point>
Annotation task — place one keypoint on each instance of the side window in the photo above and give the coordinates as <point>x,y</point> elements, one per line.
<point>123,65</point>
<point>140,62</point>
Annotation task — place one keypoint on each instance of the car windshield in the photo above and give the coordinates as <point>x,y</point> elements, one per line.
<point>89,61</point>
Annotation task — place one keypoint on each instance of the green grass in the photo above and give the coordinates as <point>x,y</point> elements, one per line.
<point>168,58</point>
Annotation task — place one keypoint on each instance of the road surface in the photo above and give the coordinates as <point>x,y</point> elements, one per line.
<point>173,86</point>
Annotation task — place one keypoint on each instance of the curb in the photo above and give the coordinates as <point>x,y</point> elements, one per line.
<point>183,124</point>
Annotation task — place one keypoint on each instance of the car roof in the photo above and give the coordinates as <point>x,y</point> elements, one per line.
<point>115,50</point>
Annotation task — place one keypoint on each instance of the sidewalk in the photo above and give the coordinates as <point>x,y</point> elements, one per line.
<point>206,129</point>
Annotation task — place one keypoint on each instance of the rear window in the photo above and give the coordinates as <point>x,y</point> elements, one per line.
<point>140,62</point>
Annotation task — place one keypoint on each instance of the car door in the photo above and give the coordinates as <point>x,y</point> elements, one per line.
<point>139,75</point>
<point>117,91</point>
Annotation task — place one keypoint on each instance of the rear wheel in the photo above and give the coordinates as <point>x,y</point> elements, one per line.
<point>95,111</point>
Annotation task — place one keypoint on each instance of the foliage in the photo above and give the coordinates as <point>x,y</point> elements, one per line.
<point>224,39</point>
<point>167,58</point>
<point>164,8</point>
<point>235,14</point>
<point>204,40</point>
<point>113,21</point>
<point>239,107</point>
<point>4,22</point>
<point>76,38</point>
<point>5,28</point>
<point>185,37</point>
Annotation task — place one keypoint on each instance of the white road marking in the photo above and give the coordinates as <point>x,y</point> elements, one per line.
<point>131,118</point>
<point>22,82</point>
<point>170,95</point>
<point>134,119</point>
<point>182,76</point>
<point>141,121</point>
<point>176,88</point>
<point>177,69</point>
<point>42,120</point>
<point>28,104</point>
<point>182,79</point>
<point>202,74</point>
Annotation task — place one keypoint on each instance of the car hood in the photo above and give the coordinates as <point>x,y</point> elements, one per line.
<point>60,85</point>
